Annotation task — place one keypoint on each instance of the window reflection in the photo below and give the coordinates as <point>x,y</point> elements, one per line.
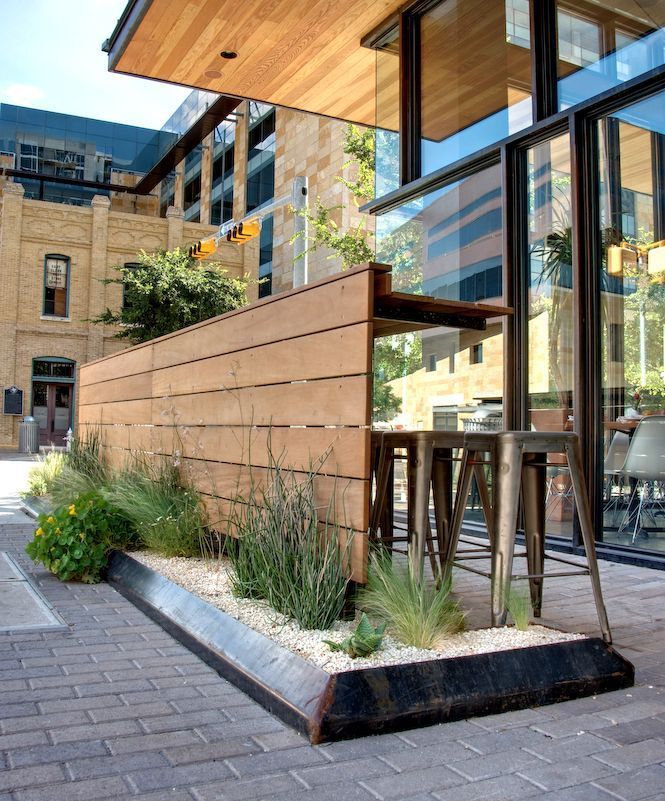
<point>475,80</point>
<point>550,311</point>
<point>633,324</point>
<point>601,47</point>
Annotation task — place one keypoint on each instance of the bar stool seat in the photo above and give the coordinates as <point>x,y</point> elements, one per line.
<point>519,463</point>
<point>429,463</point>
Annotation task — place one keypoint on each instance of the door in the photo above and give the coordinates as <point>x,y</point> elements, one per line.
<point>52,407</point>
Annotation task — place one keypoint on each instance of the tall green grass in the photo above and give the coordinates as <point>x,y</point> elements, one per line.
<point>168,517</point>
<point>84,470</point>
<point>283,554</point>
<point>417,613</point>
<point>43,476</point>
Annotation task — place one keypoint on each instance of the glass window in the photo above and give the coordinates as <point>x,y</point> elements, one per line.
<point>550,310</point>
<point>475,81</point>
<point>449,243</point>
<point>387,114</point>
<point>518,25</point>
<point>56,283</point>
<point>260,156</point>
<point>632,188</point>
<point>166,194</point>
<point>601,47</point>
<point>265,257</point>
<point>192,192</point>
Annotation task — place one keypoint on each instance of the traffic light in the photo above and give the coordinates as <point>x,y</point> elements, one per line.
<point>242,232</point>
<point>203,248</point>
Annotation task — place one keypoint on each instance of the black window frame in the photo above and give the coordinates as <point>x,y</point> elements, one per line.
<point>580,121</point>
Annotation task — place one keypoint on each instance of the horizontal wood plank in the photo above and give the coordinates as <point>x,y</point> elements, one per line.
<point>341,452</point>
<point>128,362</point>
<point>343,401</point>
<point>133,387</point>
<point>331,305</point>
<point>339,352</point>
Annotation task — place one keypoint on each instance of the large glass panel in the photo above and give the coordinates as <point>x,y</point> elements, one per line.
<point>387,114</point>
<point>448,243</point>
<point>601,46</point>
<point>550,311</point>
<point>632,184</point>
<point>475,77</point>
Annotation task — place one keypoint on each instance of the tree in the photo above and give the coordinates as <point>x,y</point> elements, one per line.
<point>169,291</point>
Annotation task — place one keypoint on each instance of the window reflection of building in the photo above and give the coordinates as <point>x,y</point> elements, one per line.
<point>261,182</point>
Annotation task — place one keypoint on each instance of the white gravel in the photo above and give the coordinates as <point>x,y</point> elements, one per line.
<point>209,580</point>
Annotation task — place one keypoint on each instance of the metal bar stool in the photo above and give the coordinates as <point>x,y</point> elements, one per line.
<point>429,462</point>
<point>519,464</point>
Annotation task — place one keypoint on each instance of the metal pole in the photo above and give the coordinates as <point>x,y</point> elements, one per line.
<point>300,256</point>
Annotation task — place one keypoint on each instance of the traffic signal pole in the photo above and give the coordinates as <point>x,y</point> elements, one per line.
<point>250,227</point>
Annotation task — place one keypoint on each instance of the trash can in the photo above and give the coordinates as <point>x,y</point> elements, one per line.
<point>28,435</point>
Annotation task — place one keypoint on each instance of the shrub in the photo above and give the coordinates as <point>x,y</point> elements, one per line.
<point>168,517</point>
<point>83,471</point>
<point>45,473</point>
<point>283,554</point>
<point>74,541</point>
<point>417,613</point>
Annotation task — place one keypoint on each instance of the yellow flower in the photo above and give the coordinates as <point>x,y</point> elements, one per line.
<point>82,535</point>
<point>72,510</point>
<point>57,531</point>
<point>39,532</point>
<point>50,519</point>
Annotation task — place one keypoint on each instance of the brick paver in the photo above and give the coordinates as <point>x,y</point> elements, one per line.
<point>114,708</point>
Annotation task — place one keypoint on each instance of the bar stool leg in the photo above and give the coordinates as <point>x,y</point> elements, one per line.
<point>421,466</point>
<point>383,472</point>
<point>463,486</point>
<point>506,504</point>
<point>442,490</point>
<point>533,504</point>
<point>485,500</point>
<point>586,527</point>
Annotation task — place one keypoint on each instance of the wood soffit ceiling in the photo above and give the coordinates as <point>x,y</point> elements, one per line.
<point>303,54</point>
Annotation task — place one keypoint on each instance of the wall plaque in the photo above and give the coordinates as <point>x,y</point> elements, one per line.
<point>13,401</point>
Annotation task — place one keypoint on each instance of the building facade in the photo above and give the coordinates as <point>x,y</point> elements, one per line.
<point>71,209</point>
<point>519,157</point>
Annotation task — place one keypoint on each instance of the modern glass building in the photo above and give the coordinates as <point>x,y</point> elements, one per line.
<point>520,159</point>
<point>68,159</point>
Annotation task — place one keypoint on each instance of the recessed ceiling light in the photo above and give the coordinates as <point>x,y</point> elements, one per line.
<point>228,54</point>
<point>212,74</point>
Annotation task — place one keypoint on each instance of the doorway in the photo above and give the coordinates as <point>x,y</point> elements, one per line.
<point>53,398</point>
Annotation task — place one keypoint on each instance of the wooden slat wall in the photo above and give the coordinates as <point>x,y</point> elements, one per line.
<point>290,374</point>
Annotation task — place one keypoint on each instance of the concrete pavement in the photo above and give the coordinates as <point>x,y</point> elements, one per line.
<point>114,708</point>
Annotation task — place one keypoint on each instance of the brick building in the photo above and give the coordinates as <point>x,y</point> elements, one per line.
<point>79,196</point>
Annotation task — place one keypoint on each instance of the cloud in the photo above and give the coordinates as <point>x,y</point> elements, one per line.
<point>22,94</point>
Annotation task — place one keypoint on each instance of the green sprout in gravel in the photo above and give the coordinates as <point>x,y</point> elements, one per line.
<point>363,642</point>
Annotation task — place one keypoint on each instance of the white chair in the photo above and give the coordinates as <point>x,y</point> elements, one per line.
<point>614,462</point>
<point>645,466</point>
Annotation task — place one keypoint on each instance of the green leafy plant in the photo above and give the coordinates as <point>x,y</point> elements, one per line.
<point>519,608</point>
<point>74,541</point>
<point>168,517</point>
<point>44,474</point>
<point>283,554</point>
<point>169,291</point>
<point>364,641</point>
<point>417,613</point>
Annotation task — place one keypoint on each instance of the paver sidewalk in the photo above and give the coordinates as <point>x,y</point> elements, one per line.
<point>115,708</point>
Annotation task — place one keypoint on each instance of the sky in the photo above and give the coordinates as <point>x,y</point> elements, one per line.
<point>51,58</point>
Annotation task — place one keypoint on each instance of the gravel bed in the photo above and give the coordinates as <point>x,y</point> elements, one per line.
<point>209,580</point>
